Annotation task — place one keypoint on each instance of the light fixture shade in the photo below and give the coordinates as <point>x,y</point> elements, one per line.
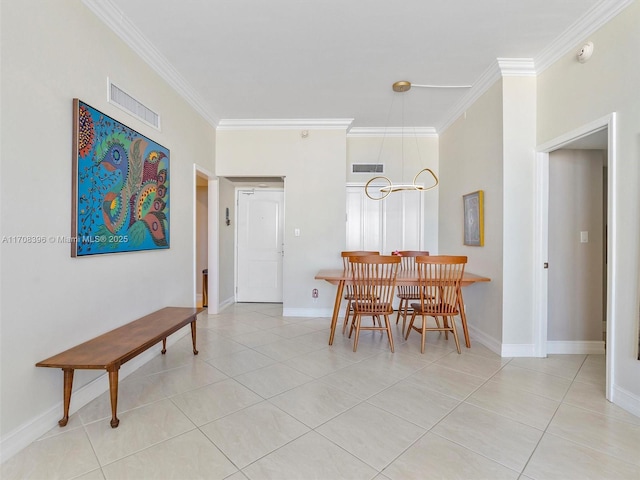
<point>385,190</point>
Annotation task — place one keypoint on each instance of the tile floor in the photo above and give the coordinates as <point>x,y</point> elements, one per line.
<point>267,398</point>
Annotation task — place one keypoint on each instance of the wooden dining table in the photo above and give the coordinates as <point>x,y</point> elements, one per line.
<point>340,277</point>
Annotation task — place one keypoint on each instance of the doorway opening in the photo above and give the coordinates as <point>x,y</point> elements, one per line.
<point>599,134</point>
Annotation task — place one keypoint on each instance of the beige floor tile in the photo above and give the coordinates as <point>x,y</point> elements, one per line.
<point>448,382</point>
<point>591,397</point>
<point>560,459</point>
<point>310,457</point>
<point>320,362</point>
<point>477,365</point>
<point>272,380</point>
<point>187,456</point>
<point>190,377</point>
<point>138,429</point>
<point>62,456</point>
<point>284,349</point>
<point>219,347</point>
<point>291,330</point>
<point>254,432</point>
<point>240,362</point>
<point>177,355</point>
<point>498,438</point>
<point>539,383</point>
<point>93,475</point>
<point>593,371</point>
<point>565,366</point>
<point>314,403</point>
<point>257,338</point>
<point>133,392</point>
<point>519,405</point>
<point>214,401</point>
<point>360,380</point>
<point>600,432</point>
<point>373,435</point>
<point>415,402</point>
<point>434,457</point>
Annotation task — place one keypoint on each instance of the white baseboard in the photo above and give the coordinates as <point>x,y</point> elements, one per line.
<point>24,435</point>
<point>226,303</point>
<point>486,340</point>
<point>576,347</point>
<point>626,400</point>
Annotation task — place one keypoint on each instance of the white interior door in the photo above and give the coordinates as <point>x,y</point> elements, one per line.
<point>260,234</point>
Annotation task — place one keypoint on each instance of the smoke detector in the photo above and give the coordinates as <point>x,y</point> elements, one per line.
<point>585,52</point>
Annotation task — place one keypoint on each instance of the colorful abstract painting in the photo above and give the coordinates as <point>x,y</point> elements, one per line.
<point>120,187</point>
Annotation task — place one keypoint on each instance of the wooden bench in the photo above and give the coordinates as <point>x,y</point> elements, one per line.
<point>110,350</point>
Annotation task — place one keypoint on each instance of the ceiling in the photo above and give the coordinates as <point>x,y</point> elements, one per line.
<point>337,59</point>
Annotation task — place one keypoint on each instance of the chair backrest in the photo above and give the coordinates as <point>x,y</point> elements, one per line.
<point>408,257</point>
<point>440,280</point>
<point>374,281</point>
<point>355,253</point>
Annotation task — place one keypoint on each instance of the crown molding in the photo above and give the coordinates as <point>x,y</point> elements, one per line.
<point>360,132</point>
<point>516,67</point>
<point>113,17</point>
<point>592,20</point>
<point>285,124</point>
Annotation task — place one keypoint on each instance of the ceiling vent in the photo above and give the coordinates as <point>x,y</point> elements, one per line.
<point>120,98</point>
<point>367,168</point>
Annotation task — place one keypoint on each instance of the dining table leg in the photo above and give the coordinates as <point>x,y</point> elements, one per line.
<point>336,310</point>
<point>463,318</point>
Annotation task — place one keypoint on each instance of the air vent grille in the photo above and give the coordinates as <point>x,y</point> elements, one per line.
<point>125,101</point>
<point>367,168</point>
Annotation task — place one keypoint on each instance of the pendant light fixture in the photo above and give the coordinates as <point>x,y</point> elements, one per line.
<point>377,192</point>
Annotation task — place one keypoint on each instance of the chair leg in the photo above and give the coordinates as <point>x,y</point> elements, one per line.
<point>410,327</point>
<point>402,300</point>
<point>405,313</point>
<point>424,333</point>
<point>455,333</point>
<point>346,316</point>
<point>356,321</point>
<point>389,334</point>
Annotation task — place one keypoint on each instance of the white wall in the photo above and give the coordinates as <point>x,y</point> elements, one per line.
<point>315,201</point>
<point>226,270</point>
<point>51,53</point>
<point>570,95</point>
<point>576,277</point>
<point>471,158</point>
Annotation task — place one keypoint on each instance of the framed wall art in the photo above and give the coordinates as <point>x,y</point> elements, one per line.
<point>474,218</point>
<point>120,187</point>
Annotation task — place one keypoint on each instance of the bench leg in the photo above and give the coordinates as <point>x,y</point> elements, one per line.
<point>68,384</point>
<point>193,337</point>
<point>164,346</point>
<point>113,390</point>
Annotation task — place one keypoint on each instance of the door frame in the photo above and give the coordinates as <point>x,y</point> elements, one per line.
<point>542,235</point>
<point>213,294</point>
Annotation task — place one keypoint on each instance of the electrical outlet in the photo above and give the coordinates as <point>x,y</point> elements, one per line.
<point>314,293</point>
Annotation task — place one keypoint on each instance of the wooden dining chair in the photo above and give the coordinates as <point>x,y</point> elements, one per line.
<point>407,293</point>
<point>348,295</point>
<point>440,278</point>
<point>374,282</point>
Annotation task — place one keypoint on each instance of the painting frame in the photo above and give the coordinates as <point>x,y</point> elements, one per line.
<point>120,187</point>
<point>474,218</point>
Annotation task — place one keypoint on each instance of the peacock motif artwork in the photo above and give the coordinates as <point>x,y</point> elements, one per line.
<point>121,199</point>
